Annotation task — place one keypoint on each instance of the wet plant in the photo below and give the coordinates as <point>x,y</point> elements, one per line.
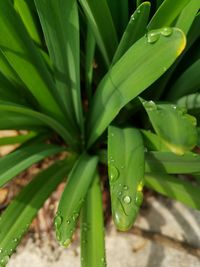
<point>102,82</point>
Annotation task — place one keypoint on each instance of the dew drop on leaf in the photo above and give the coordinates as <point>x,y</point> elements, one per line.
<point>67,242</point>
<point>166,31</point>
<point>58,221</point>
<point>125,187</point>
<point>152,37</point>
<point>150,105</point>
<point>138,199</point>
<point>114,173</point>
<point>127,199</point>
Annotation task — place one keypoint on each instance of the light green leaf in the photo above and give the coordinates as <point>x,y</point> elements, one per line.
<point>28,18</point>
<point>190,102</point>
<point>140,66</point>
<point>101,23</point>
<point>60,25</point>
<point>17,217</point>
<point>92,228</point>
<point>180,135</point>
<point>126,174</point>
<point>73,197</point>
<point>175,188</point>
<point>187,15</point>
<point>167,13</point>
<point>135,29</point>
<point>22,158</point>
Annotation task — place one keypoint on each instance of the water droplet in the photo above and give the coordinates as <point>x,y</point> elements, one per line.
<point>127,199</point>
<point>15,240</point>
<point>119,193</point>
<point>120,185</point>
<point>75,216</point>
<point>66,243</point>
<point>114,173</point>
<point>132,17</point>
<point>1,250</point>
<point>125,187</point>
<point>122,167</point>
<point>82,259</point>
<point>166,31</point>
<point>68,221</point>
<point>150,105</point>
<point>5,260</point>
<point>112,134</point>
<point>58,221</point>
<point>138,11</point>
<point>153,37</point>
<point>139,199</point>
<point>58,235</point>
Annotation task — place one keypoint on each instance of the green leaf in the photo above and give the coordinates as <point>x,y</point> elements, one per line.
<point>167,13</point>
<point>175,188</point>
<point>187,15</point>
<point>101,23</point>
<point>18,139</point>
<point>180,135</point>
<point>92,228</point>
<point>135,29</point>
<point>59,20</point>
<point>41,118</point>
<point>126,174</point>
<point>89,59</point>
<point>190,102</point>
<point>188,82</point>
<point>22,158</point>
<point>153,141</point>
<point>17,217</point>
<point>140,66</point>
<point>28,18</point>
<point>167,162</point>
<point>73,197</point>
<point>26,60</point>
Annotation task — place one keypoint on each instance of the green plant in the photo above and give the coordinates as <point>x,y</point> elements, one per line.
<point>144,90</point>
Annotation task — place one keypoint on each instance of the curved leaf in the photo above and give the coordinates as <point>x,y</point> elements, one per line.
<point>180,135</point>
<point>17,217</point>
<point>22,158</point>
<point>73,197</point>
<point>140,66</point>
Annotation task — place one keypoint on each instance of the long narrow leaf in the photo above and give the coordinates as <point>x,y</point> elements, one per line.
<point>60,25</point>
<point>174,188</point>
<point>167,13</point>
<point>188,82</point>
<point>72,199</point>
<point>16,219</point>
<point>166,162</point>
<point>92,228</point>
<point>126,174</point>
<point>26,60</point>
<point>140,66</point>
<point>101,23</point>
<point>187,16</point>
<point>28,19</point>
<point>19,160</point>
<point>42,118</point>
<point>135,29</point>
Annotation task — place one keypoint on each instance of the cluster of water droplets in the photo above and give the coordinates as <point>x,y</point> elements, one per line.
<point>154,36</point>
